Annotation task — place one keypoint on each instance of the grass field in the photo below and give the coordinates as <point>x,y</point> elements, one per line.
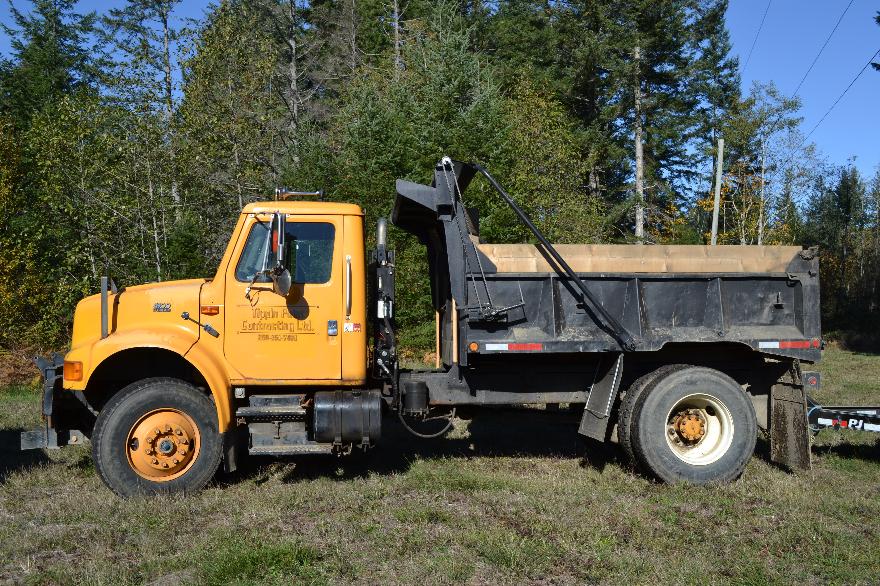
<point>505,499</point>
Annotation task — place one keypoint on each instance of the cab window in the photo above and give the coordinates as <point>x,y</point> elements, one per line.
<point>308,255</point>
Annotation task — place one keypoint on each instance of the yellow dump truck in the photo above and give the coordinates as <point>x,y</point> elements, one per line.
<point>679,353</point>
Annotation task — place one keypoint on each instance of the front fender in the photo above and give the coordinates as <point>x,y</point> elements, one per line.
<point>180,341</point>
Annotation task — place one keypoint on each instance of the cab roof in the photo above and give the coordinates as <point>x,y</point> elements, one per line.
<point>306,207</point>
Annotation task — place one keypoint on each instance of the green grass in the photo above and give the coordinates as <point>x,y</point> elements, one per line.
<point>505,499</point>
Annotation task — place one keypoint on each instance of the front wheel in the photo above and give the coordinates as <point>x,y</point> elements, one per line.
<point>157,435</point>
<point>694,425</point>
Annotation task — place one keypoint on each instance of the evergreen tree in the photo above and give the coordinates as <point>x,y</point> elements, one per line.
<point>49,58</point>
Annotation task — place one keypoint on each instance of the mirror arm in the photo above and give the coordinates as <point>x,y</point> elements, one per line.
<point>247,292</point>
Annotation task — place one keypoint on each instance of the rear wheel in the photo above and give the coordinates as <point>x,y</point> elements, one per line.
<point>157,435</point>
<point>630,399</point>
<point>694,425</point>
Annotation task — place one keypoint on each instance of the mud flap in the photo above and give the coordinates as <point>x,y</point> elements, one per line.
<point>789,432</point>
<point>603,392</point>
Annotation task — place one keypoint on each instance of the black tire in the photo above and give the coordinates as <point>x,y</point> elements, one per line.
<point>130,405</point>
<point>629,399</point>
<point>728,410</point>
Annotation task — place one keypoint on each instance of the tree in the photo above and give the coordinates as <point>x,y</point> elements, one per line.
<point>49,58</point>
<point>233,122</point>
<point>142,33</point>
<point>50,64</point>
<point>548,172</point>
<point>755,130</point>
<point>640,77</point>
<point>877,20</point>
<point>836,223</point>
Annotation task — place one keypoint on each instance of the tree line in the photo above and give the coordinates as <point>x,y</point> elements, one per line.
<point>130,139</point>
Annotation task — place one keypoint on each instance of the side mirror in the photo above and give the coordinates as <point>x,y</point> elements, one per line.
<point>281,282</point>
<point>276,238</point>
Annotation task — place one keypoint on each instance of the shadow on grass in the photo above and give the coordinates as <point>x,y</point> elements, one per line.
<point>850,451</point>
<point>491,433</point>
<point>12,458</point>
<point>844,451</point>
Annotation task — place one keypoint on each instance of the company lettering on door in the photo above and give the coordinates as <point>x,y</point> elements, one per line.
<point>275,324</point>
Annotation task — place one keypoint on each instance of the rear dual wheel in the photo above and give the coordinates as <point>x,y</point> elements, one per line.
<point>157,435</point>
<point>689,424</point>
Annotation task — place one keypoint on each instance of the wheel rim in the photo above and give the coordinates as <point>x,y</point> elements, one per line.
<point>163,444</point>
<point>699,429</point>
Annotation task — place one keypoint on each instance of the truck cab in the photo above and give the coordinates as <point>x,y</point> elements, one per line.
<point>314,335</point>
<point>235,335</point>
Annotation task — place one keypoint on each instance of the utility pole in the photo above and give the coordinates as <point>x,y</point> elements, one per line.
<point>718,166</point>
<point>761,210</point>
<point>640,170</point>
<point>398,61</point>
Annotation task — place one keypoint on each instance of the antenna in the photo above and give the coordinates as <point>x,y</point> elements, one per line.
<point>282,193</point>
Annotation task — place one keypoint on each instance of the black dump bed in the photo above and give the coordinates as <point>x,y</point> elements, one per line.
<point>521,298</point>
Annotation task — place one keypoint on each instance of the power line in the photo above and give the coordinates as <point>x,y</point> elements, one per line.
<point>825,44</point>
<point>755,40</point>
<point>827,112</point>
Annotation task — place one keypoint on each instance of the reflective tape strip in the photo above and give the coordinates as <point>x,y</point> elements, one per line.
<point>871,427</point>
<point>491,347</point>
<point>526,347</point>
<point>824,421</point>
<point>515,347</point>
<point>785,344</point>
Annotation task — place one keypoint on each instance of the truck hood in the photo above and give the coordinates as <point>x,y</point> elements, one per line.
<point>154,305</point>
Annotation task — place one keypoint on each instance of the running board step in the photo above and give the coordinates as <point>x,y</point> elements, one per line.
<point>271,412</point>
<point>291,450</point>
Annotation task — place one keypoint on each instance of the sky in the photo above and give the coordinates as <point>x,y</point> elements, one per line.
<point>789,39</point>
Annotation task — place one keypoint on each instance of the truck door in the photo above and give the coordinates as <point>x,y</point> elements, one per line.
<point>294,338</point>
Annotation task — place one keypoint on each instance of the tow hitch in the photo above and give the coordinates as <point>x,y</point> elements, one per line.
<point>840,417</point>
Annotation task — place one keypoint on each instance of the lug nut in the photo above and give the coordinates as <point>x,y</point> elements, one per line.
<point>176,461</point>
<point>178,431</point>
<point>148,451</point>
<point>183,452</point>
<point>164,464</point>
<point>155,461</point>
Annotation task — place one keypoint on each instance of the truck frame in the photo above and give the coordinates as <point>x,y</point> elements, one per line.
<point>678,353</point>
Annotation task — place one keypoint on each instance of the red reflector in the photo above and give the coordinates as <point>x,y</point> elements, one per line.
<point>532,347</point>
<point>794,344</point>
<point>816,343</point>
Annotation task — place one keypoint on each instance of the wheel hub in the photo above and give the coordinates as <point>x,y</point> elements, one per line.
<point>689,425</point>
<point>163,444</point>
<point>699,429</point>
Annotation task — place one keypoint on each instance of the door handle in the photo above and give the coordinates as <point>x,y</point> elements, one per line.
<point>347,286</point>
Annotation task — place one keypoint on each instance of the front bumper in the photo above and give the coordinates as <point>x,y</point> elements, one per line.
<point>58,416</point>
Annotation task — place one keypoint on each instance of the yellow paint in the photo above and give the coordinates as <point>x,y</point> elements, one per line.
<point>272,337</point>
<point>354,341</point>
<point>305,355</point>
